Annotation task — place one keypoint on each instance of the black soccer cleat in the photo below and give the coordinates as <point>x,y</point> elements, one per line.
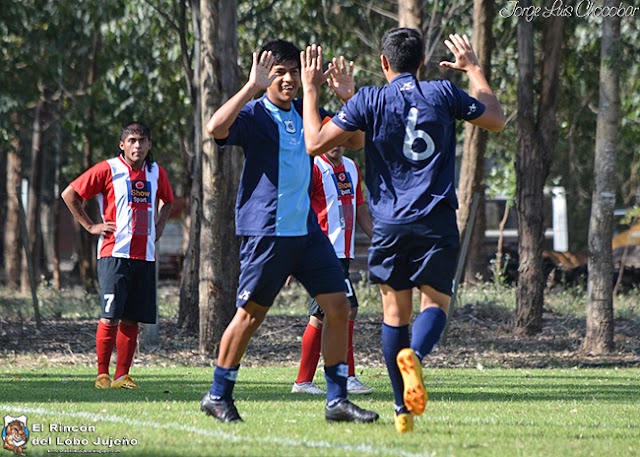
<point>345,411</point>
<point>223,410</point>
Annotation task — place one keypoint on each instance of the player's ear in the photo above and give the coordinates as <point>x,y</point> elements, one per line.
<point>121,145</point>
<point>384,62</point>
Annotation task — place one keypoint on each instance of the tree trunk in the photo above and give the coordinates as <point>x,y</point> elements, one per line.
<point>12,253</point>
<point>56,200</point>
<point>475,144</point>
<point>219,264</point>
<point>189,312</point>
<point>3,203</point>
<point>87,251</point>
<point>409,13</point>
<point>35,194</point>
<point>536,144</point>
<point>600,325</point>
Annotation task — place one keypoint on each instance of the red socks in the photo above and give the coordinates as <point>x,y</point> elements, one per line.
<point>126,343</point>
<point>350,361</point>
<point>105,341</point>
<point>311,347</point>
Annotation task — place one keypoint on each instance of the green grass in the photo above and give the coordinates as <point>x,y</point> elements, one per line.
<point>551,412</point>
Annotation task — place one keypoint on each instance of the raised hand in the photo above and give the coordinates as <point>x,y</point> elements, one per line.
<point>340,78</point>
<point>461,48</point>
<point>311,73</point>
<point>259,77</point>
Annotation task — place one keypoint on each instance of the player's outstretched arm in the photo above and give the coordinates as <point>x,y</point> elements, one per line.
<point>259,79</point>
<point>318,138</point>
<point>493,118</point>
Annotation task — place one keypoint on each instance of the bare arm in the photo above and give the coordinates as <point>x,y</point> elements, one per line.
<point>259,79</point>
<point>318,138</point>
<point>74,203</point>
<point>493,118</point>
<point>164,210</point>
<point>363,218</point>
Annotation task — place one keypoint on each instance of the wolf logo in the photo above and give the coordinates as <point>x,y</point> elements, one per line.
<point>15,434</point>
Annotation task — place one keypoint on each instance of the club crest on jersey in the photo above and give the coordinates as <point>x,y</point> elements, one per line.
<point>472,109</point>
<point>289,126</point>
<point>140,192</point>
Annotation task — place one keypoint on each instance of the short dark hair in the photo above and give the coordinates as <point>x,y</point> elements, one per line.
<point>140,129</point>
<point>404,49</point>
<point>283,51</point>
<point>135,127</point>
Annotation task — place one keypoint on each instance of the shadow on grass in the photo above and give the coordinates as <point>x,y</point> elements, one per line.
<point>160,387</point>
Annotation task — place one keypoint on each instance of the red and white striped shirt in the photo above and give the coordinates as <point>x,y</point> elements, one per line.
<point>336,194</point>
<point>129,198</point>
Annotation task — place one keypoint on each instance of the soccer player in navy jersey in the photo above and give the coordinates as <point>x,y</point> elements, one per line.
<point>410,137</point>
<point>279,230</point>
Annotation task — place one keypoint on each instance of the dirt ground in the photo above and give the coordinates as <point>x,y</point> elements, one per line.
<point>479,336</point>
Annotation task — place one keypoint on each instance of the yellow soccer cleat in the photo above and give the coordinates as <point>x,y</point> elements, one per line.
<point>124,382</point>
<point>415,396</point>
<point>403,422</point>
<point>103,381</point>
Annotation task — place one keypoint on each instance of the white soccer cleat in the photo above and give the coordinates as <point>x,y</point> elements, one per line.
<point>354,386</point>
<point>306,388</point>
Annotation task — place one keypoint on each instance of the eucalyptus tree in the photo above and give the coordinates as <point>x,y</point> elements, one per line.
<point>471,183</point>
<point>600,325</point>
<point>537,139</point>
<point>219,247</point>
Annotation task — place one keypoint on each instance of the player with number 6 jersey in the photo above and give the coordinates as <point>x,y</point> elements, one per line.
<point>410,146</point>
<point>135,200</point>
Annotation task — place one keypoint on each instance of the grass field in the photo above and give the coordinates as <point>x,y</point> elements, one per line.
<point>490,412</point>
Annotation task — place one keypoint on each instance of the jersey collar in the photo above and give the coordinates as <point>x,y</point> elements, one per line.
<point>330,162</point>
<point>403,78</point>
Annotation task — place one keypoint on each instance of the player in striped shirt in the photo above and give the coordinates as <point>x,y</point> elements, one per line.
<point>135,200</point>
<point>337,200</point>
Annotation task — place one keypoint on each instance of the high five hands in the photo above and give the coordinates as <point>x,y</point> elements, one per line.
<point>462,50</point>
<point>259,76</point>
<point>339,74</point>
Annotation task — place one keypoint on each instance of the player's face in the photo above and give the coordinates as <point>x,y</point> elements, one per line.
<point>285,86</point>
<point>135,148</point>
<point>336,155</point>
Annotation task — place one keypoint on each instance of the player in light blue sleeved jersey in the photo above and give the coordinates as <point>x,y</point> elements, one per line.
<point>279,230</point>
<point>410,137</point>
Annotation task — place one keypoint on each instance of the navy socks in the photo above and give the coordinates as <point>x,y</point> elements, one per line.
<point>224,380</point>
<point>393,340</point>
<point>336,377</point>
<point>426,330</point>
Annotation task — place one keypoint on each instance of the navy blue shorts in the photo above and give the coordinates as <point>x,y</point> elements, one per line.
<point>314,307</point>
<point>424,252</point>
<point>128,289</point>
<point>267,261</point>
